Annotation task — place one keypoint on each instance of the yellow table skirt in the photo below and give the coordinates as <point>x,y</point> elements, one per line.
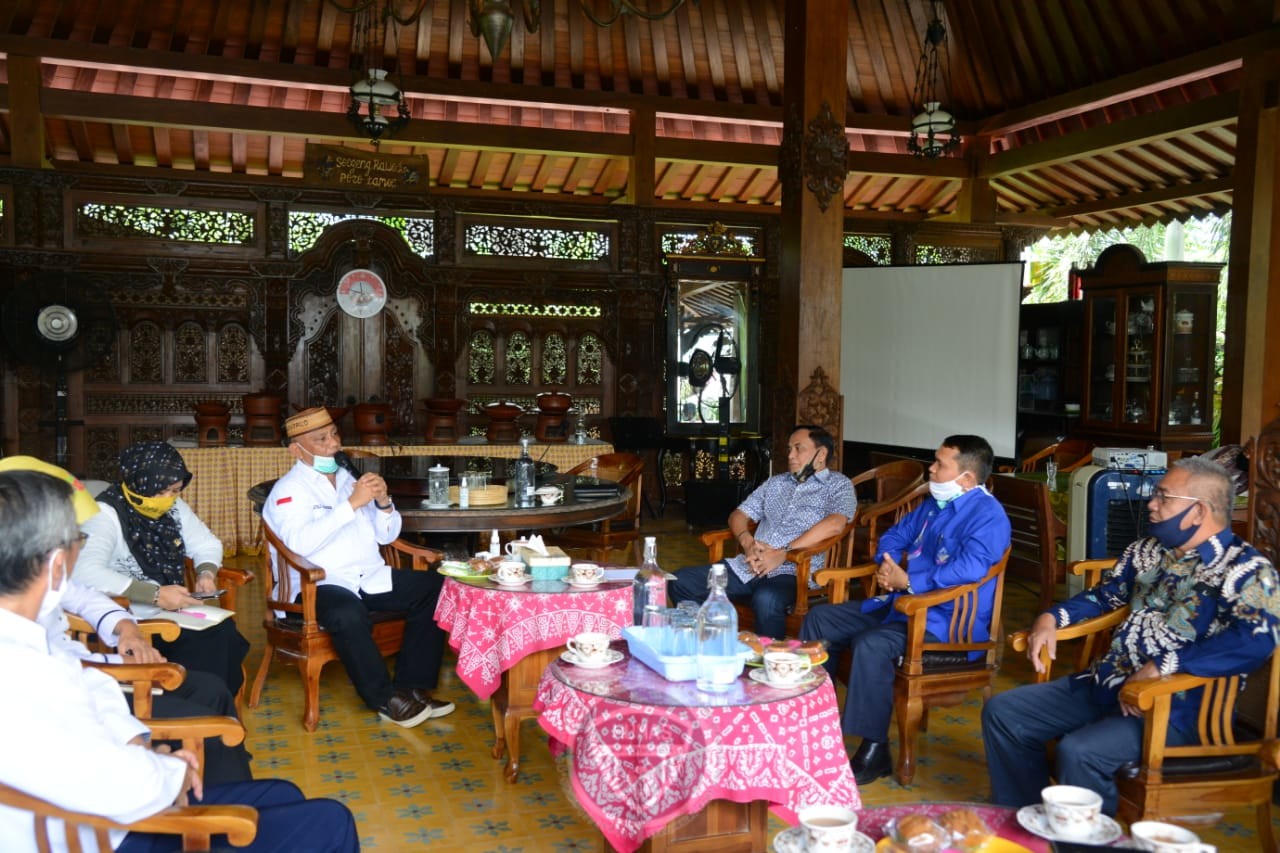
<point>222,477</point>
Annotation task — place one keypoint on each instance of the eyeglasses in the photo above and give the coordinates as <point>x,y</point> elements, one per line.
<point>1160,496</point>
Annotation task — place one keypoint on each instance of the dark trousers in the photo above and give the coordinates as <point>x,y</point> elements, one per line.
<point>346,617</point>
<point>1096,740</point>
<point>876,646</point>
<point>219,650</point>
<point>287,822</point>
<point>199,695</point>
<point>770,597</point>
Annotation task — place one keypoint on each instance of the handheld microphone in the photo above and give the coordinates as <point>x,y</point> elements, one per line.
<point>345,463</point>
<point>807,471</point>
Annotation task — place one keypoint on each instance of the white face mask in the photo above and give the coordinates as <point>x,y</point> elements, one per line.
<point>946,492</point>
<point>52,597</point>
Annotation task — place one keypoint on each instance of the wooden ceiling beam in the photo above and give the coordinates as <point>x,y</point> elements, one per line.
<point>907,165</point>
<point>1166,75</point>
<point>1197,115</point>
<point>1154,196</point>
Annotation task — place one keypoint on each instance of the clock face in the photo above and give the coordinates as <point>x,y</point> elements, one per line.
<point>362,293</point>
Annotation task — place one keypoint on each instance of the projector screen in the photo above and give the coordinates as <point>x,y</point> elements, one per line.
<point>930,351</point>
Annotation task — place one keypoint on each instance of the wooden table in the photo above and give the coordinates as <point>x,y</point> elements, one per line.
<point>222,476</point>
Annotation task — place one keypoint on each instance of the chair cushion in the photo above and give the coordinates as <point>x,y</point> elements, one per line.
<point>1198,766</point>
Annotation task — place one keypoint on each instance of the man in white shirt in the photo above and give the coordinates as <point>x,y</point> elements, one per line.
<point>67,736</point>
<point>325,514</point>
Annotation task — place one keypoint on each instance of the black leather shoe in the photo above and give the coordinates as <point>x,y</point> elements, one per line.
<point>871,762</point>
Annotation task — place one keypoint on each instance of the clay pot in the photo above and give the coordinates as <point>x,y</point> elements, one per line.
<point>212,418</point>
<point>373,422</point>
<point>502,422</point>
<point>262,419</point>
<point>442,419</point>
<point>211,408</point>
<point>554,402</point>
<point>443,405</point>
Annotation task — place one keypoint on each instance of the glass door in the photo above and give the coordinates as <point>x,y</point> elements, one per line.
<point>1189,377</point>
<point>1102,359</point>
<point>1138,393</point>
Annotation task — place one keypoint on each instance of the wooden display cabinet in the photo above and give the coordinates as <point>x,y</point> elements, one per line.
<point>1050,372</point>
<point>1150,331</point>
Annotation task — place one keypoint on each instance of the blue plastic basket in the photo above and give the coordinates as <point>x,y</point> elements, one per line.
<point>644,643</point>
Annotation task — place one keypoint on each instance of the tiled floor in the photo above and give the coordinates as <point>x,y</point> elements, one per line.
<point>438,786</point>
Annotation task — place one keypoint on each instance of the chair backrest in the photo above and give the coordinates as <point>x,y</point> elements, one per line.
<point>878,517</point>
<point>962,630</point>
<point>1069,454</point>
<point>1035,529</point>
<point>281,566</point>
<point>892,478</point>
<point>625,470</point>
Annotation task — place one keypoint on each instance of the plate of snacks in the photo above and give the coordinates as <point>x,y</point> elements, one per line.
<point>816,650</point>
<point>476,567</point>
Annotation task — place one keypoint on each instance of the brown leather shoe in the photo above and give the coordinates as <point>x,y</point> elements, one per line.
<point>404,710</point>
<point>438,707</point>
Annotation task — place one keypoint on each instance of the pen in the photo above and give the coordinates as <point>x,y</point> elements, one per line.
<point>193,613</point>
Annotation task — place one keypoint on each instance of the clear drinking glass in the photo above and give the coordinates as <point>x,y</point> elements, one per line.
<point>684,633</point>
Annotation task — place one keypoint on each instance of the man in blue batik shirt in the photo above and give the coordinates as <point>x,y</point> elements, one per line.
<point>1201,601</point>
<point>951,540</point>
<point>794,510</point>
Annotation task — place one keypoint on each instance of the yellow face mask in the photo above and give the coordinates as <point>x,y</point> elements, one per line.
<point>150,507</point>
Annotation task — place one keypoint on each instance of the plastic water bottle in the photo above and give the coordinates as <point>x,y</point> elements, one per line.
<point>524,476</point>
<point>718,664</point>
<point>649,588</point>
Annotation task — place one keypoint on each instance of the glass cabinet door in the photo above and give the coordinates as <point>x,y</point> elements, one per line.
<point>1102,360</point>
<point>1189,378</point>
<point>1138,399</point>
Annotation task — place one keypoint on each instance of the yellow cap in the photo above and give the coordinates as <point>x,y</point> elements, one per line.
<point>85,506</point>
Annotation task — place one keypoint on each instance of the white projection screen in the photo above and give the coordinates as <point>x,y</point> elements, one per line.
<point>930,351</point>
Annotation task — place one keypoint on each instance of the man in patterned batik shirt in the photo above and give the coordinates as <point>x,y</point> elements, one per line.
<point>1202,601</point>
<point>794,510</point>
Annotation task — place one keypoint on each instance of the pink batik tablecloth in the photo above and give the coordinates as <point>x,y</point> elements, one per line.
<point>647,750</point>
<point>491,627</point>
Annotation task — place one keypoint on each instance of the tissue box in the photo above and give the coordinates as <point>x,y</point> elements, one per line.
<point>550,573</point>
<point>647,643</point>
<point>555,556</point>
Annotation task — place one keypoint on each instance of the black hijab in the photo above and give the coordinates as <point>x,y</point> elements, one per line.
<point>148,468</point>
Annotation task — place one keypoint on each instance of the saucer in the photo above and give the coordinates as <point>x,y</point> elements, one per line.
<point>792,841</point>
<point>587,585</point>
<point>523,580</point>
<point>610,657</point>
<point>759,675</point>
<point>1033,820</point>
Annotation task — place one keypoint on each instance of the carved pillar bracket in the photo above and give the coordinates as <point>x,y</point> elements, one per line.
<point>446,233</point>
<point>790,152</point>
<point>158,186</point>
<point>821,404</point>
<point>277,200</point>
<point>902,243</point>
<point>1264,481</point>
<point>52,189</point>
<point>170,270</point>
<point>1018,239</point>
<point>826,157</point>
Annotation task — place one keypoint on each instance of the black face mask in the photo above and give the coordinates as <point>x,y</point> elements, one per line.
<point>807,471</point>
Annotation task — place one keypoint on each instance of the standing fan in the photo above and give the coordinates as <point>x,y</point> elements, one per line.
<point>722,362</point>
<point>63,321</point>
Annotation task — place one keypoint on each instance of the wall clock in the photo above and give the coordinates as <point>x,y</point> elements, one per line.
<point>361,293</point>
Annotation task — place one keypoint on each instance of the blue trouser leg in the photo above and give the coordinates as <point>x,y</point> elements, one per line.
<point>286,822</point>
<point>690,584</point>
<point>876,646</point>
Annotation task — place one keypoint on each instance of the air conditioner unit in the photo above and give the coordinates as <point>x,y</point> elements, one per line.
<point>1108,511</point>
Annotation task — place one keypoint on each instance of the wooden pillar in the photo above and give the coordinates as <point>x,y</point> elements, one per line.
<point>812,168</point>
<point>26,123</point>
<point>1251,369</point>
<point>640,184</point>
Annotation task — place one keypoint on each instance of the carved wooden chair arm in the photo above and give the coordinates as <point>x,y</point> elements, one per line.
<point>168,676</point>
<point>836,579</point>
<point>1018,640</point>
<point>421,558</point>
<point>1143,694</point>
<point>188,729</point>
<point>918,603</point>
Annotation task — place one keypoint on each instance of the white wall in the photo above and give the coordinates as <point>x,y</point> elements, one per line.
<point>930,351</point>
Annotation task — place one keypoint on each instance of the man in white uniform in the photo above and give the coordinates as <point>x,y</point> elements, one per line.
<point>338,522</point>
<point>67,736</point>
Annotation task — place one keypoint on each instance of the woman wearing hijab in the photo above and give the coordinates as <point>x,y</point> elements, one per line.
<point>137,546</point>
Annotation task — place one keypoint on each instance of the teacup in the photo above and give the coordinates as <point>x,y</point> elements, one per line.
<point>828,829</point>
<point>586,573</point>
<point>510,571</point>
<point>1167,838</point>
<point>549,494</point>
<point>513,547</point>
<point>786,667</point>
<point>589,646</point>
<point>1071,811</point>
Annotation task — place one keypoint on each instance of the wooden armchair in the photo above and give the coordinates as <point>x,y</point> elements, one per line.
<point>623,529</point>
<point>872,520</point>
<point>1069,454</point>
<point>228,579</point>
<point>293,633</point>
<point>936,674</point>
<point>892,478</point>
<point>195,824</point>
<point>837,551</point>
<point>1035,532</point>
<point>1233,766</point>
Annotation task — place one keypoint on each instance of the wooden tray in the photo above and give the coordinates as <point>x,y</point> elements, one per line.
<point>487,496</point>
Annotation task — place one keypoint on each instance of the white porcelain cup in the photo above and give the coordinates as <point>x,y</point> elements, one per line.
<point>513,547</point>
<point>510,571</point>
<point>1072,812</point>
<point>828,829</point>
<point>586,573</point>
<point>549,494</point>
<point>786,667</point>
<point>589,646</point>
<point>1167,838</point>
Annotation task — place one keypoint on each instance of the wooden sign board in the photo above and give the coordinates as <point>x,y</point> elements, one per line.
<point>329,165</point>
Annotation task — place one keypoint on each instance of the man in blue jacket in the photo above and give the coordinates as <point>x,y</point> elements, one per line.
<point>951,540</point>
<point>1201,601</point>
